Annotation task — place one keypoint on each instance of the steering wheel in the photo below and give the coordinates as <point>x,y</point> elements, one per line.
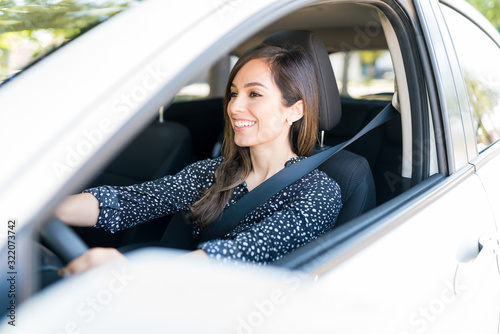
<point>62,240</point>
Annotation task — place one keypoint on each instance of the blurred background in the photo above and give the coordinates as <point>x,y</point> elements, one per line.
<point>490,9</point>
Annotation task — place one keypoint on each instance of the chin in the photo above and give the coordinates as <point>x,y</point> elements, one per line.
<point>241,144</point>
<point>244,142</point>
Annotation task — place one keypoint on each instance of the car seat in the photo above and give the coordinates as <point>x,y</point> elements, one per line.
<point>163,148</point>
<point>351,171</point>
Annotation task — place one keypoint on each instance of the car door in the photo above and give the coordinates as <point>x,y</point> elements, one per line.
<point>426,263</point>
<point>477,52</point>
<point>477,47</point>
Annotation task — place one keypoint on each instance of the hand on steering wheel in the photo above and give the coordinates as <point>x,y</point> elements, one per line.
<point>92,258</point>
<point>72,249</point>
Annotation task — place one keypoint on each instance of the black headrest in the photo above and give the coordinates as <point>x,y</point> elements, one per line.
<point>329,99</point>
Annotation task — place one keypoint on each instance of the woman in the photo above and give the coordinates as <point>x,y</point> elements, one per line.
<point>271,117</point>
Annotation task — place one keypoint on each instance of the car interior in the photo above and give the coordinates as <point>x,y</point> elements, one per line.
<point>373,170</point>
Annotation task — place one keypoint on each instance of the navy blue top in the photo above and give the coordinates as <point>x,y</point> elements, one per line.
<point>296,215</point>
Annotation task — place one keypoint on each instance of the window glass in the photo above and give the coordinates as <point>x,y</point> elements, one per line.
<point>196,90</point>
<point>210,83</point>
<point>478,56</point>
<point>30,30</point>
<point>366,74</point>
<point>490,9</point>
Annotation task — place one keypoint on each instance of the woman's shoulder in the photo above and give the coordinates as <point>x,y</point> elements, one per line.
<point>206,165</point>
<point>318,185</point>
<point>320,178</point>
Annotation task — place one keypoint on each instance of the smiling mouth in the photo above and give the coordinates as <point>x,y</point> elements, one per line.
<point>243,124</point>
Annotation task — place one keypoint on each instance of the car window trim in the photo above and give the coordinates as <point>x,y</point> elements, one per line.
<point>464,9</point>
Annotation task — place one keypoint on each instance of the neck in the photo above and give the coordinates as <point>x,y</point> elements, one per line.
<point>266,162</point>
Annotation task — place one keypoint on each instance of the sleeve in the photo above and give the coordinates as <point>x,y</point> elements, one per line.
<point>312,213</point>
<point>124,207</point>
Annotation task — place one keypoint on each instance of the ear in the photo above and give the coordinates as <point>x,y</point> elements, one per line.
<point>296,111</point>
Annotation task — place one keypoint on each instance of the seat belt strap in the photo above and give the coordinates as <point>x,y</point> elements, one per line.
<point>231,217</point>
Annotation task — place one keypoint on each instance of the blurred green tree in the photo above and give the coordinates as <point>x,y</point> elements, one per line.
<point>46,14</point>
<point>368,59</point>
<point>29,29</point>
<point>490,9</point>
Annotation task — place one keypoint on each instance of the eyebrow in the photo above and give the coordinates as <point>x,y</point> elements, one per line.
<point>251,84</point>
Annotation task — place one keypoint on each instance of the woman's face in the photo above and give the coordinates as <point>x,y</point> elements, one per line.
<point>256,111</point>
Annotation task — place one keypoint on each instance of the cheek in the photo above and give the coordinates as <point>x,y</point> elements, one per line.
<point>275,122</point>
<point>272,125</point>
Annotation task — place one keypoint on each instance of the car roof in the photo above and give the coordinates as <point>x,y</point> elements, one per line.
<point>333,24</point>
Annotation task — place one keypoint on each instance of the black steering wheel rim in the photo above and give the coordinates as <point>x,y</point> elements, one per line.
<point>62,240</point>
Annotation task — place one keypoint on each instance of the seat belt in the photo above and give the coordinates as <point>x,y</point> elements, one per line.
<point>231,217</point>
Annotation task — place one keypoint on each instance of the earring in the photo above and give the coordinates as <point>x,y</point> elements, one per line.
<point>290,123</point>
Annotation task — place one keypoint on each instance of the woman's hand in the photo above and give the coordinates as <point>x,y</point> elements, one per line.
<point>92,258</point>
<point>97,256</point>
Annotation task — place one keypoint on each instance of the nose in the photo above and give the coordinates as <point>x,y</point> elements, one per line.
<point>236,105</point>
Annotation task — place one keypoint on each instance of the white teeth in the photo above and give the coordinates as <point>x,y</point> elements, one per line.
<point>241,124</point>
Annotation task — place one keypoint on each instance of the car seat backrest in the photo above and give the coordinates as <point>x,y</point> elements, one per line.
<point>205,120</point>
<point>351,171</point>
<point>161,149</point>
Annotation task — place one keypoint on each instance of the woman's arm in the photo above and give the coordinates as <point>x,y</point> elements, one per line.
<point>122,207</point>
<point>79,210</point>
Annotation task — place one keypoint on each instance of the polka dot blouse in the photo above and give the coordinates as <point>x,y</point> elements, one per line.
<point>293,217</point>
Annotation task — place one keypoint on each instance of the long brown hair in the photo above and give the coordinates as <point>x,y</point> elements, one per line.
<point>293,72</point>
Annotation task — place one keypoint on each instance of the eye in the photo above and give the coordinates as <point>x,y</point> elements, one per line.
<point>254,94</point>
<point>233,94</point>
